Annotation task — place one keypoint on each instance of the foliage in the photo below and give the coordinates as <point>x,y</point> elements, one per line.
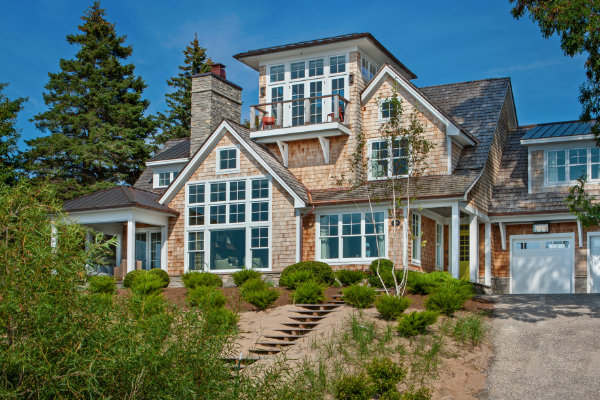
<point>162,275</point>
<point>132,276</point>
<point>349,277</point>
<point>99,135</point>
<point>583,205</point>
<point>9,136</point>
<point>449,297</point>
<point>419,394</point>
<point>146,284</point>
<point>470,329</point>
<point>353,387</point>
<point>386,276</point>
<point>391,307</point>
<point>220,321</point>
<point>177,121</point>
<point>57,341</point>
<point>384,374</point>
<point>253,285</point>
<point>359,296</point>
<point>415,323</point>
<point>384,264</point>
<point>205,297</point>
<point>309,293</point>
<point>192,280</point>
<point>243,275</point>
<point>296,278</point>
<point>262,298</point>
<point>424,283</point>
<point>322,272</point>
<point>102,284</point>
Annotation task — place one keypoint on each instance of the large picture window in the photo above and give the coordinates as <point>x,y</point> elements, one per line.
<point>228,224</point>
<point>351,236</point>
<point>568,165</point>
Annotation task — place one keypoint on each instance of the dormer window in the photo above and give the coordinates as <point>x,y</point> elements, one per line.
<point>277,73</point>
<point>227,160</point>
<point>568,165</point>
<point>164,178</point>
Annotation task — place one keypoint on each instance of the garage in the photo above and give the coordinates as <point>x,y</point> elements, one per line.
<point>542,264</point>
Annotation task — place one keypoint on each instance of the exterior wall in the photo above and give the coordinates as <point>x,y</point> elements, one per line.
<point>435,132</point>
<point>262,84</point>
<point>456,150</point>
<point>283,223</point>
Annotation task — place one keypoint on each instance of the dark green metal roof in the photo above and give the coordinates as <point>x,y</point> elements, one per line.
<point>559,129</point>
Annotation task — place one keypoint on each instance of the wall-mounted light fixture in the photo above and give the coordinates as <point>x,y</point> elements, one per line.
<point>351,79</point>
<point>543,227</point>
<point>262,91</point>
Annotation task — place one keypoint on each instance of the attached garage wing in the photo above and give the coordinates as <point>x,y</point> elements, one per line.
<point>542,264</point>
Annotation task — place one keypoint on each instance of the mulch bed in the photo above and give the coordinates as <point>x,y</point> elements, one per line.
<point>176,296</point>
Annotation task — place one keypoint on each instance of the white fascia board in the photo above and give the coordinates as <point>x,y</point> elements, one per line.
<point>167,162</point>
<point>558,139</point>
<point>469,209</point>
<point>528,218</point>
<point>217,134</point>
<point>301,132</point>
<point>119,215</point>
<point>451,129</point>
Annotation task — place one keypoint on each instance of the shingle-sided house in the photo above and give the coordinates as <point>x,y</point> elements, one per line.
<point>489,209</point>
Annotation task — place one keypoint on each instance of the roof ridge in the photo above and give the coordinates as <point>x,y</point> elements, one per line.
<point>127,193</point>
<point>465,82</point>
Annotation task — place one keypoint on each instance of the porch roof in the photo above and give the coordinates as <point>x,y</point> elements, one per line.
<point>118,197</point>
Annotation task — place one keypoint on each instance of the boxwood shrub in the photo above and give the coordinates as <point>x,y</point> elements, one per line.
<point>322,271</point>
<point>296,278</point>
<point>192,280</point>
<point>262,298</point>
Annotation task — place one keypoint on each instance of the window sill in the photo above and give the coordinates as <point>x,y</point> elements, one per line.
<point>227,171</point>
<point>348,261</point>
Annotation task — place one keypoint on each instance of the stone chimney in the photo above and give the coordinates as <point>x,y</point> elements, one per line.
<point>214,99</point>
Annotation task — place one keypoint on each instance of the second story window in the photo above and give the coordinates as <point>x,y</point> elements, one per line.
<point>568,165</point>
<point>315,67</point>
<point>387,110</point>
<point>385,165</point>
<point>297,70</point>
<point>164,178</point>
<point>277,73</point>
<point>368,69</point>
<point>227,160</point>
<point>337,64</point>
<point>276,97</point>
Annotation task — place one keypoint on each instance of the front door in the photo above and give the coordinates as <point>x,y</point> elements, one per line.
<point>464,252</point>
<point>594,264</point>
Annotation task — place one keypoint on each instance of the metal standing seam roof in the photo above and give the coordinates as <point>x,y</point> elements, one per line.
<point>559,129</point>
<point>173,149</point>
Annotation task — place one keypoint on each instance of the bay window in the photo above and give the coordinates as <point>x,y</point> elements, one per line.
<point>356,235</point>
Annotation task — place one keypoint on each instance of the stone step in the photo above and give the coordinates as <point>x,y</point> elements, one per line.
<point>339,302</point>
<point>337,296</point>
<point>277,345</point>
<point>290,338</point>
<point>313,312</point>
<point>293,331</point>
<point>305,325</point>
<point>324,306</point>
<point>271,351</point>
<point>307,318</point>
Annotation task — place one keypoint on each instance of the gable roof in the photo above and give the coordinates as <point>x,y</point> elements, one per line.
<point>476,106</point>
<point>285,178</point>
<point>317,42</point>
<point>117,197</point>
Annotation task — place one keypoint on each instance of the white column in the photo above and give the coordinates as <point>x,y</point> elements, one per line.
<point>474,249</point>
<point>455,241</point>
<point>130,245</point>
<point>118,250</point>
<point>488,254</point>
<point>164,261</point>
<point>298,236</point>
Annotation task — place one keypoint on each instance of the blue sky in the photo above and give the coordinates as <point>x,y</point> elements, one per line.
<point>441,41</point>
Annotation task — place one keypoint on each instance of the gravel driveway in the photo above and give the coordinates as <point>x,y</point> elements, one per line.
<point>546,347</point>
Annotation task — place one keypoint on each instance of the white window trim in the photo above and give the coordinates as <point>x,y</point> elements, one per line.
<point>207,228</point>
<point>439,266</point>
<point>568,181</point>
<point>156,177</point>
<point>281,82</point>
<point>416,260</point>
<point>390,161</point>
<point>380,117</point>
<point>218,169</point>
<point>339,212</point>
<point>148,231</point>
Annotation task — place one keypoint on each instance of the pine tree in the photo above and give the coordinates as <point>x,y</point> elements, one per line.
<point>98,130</point>
<point>9,135</point>
<point>177,123</point>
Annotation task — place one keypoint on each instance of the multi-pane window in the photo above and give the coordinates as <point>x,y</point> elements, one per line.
<point>337,64</point>
<point>416,237</point>
<point>260,188</point>
<point>260,211</point>
<point>259,246</point>
<point>196,251</point>
<point>379,159</point>
<point>237,190</point>
<point>196,215</point>
<point>166,177</point>
<point>276,96</point>
<point>352,236</point>
<point>298,106</point>
<point>567,165</point>
<point>218,214</point>
<point>277,73</point>
<point>218,191</point>
<point>368,69</point>
<point>337,87</point>
<point>297,70</point>
<point>439,246</point>
<point>382,165</point>
<point>196,194</point>
<point>228,159</point>
<point>399,157</point>
<point>315,67</point>
<point>316,105</point>
<point>237,213</point>
<point>388,109</point>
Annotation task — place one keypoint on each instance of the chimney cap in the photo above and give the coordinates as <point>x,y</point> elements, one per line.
<point>219,70</point>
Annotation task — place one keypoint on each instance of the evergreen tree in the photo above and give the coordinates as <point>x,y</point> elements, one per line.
<point>9,135</point>
<point>98,131</point>
<point>177,122</point>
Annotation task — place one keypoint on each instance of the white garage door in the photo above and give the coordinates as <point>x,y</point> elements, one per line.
<point>542,264</point>
<point>594,244</point>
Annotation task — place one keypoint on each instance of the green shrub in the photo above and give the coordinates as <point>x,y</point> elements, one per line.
<point>322,272</point>
<point>146,306</point>
<point>242,276</point>
<point>102,284</point>
<point>385,265</point>
<point>131,276</point>
<point>309,293</point>
<point>262,298</point>
<point>349,277</point>
<point>253,285</point>
<point>353,387</point>
<point>296,278</point>
<point>359,296</point>
<point>391,307</point>
<point>162,274</point>
<point>385,270</point>
<point>385,374</point>
<point>147,284</point>
<point>472,329</point>
<point>220,321</point>
<point>192,280</point>
<point>449,298</point>
<point>205,297</point>
<point>424,283</point>
<point>421,394</point>
<point>415,323</point>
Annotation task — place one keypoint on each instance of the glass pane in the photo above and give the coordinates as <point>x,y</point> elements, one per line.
<point>329,225</point>
<point>260,238</point>
<point>196,194</point>
<point>260,211</point>
<point>227,159</point>
<point>237,190</point>
<point>196,261</point>
<point>228,249</point>
<point>375,246</point>
<point>217,214</point>
<point>374,223</point>
<point>276,96</point>
<point>298,106</point>
<point>297,69</point>
<point>316,105</point>
<point>351,246</point>
<point>330,248</point>
<point>155,246</point>
<point>277,73</point>
<point>140,249</point>
<point>351,224</point>
<point>595,159</point>
<point>260,188</point>
<point>196,241</point>
<point>218,191</point>
<point>260,258</point>
<point>337,64</point>
<point>237,213</point>
<point>196,216</point>
<point>577,171</point>
<point>315,67</point>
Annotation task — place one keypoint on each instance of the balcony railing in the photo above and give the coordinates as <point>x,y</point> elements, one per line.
<point>298,112</point>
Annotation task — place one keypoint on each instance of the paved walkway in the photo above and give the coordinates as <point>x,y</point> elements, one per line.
<point>546,347</point>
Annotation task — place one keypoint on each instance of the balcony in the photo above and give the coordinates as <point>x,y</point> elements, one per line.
<point>307,118</point>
